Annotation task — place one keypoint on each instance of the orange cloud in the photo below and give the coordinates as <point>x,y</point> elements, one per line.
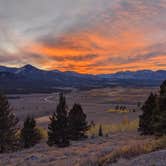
<point>105,38</point>
<point>92,52</point>
<point>121,37</point>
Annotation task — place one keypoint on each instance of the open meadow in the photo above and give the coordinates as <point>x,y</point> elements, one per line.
<point>98,104</point>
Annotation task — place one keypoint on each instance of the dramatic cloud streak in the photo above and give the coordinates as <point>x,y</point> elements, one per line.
<point>97,36</point>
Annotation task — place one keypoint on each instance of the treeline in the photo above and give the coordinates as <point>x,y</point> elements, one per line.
<point>153,119</point>
<point>64,126</point>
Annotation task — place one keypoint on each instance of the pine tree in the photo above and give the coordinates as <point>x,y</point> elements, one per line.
<point>146,119</point>
<point>100,134</point>
<point>58,127</point>
<point>163,89</point>
<point>77,123</point>
<point>8,126</point>
<point>160,115</point>
<point>29,133</point>
<point>153,119</point>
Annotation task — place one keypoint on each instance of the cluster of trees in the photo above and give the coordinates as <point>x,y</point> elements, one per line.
<point>66,126</point>
<point>120,107</point>
<point>153,119</point>
<point>11,136</point>
<point>124,108</point>
<point>63,127</point>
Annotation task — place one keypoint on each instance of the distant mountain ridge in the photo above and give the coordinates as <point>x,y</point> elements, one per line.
<point>31,79</point>
<point>141,74</point>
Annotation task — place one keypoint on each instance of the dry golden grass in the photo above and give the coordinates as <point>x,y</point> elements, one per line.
<point>42,132</point>
<point>132,150</point>
<point>118,111</point>
<point>123,126</point>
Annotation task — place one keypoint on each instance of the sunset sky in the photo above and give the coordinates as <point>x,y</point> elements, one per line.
<point>86,36</point>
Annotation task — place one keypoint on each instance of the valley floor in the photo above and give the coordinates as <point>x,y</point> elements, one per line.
<point>98,105</point>
<point>95,103</point>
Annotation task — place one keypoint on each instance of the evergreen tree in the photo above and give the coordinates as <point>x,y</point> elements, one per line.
<point>8,126</point>
<point>159,120</point>
<point>100,131</point>
<point>58,127</point>
<point>29,133</point>
<point>77,123</point>
<point>117,107</point>
<point>153,119</point>
<point>163,89</point>
<point>146,119</point>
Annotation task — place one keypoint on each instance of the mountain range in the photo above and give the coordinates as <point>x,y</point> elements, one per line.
<point>29,79</point>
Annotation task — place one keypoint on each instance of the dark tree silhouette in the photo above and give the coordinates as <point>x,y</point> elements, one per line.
<point>58,127</point>
<point>8,126</point>
<point>100,131</point>
<point>29,133</point>
<point>159,119</point>
<point>163,89</point>
<point>117,107</point>
<point>77,123</point>
<point>153,119</point>
<point>146,119</point>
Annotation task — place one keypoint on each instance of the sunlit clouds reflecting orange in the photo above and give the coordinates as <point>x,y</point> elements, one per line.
<point>91,52</point>
<point>97,36</point>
